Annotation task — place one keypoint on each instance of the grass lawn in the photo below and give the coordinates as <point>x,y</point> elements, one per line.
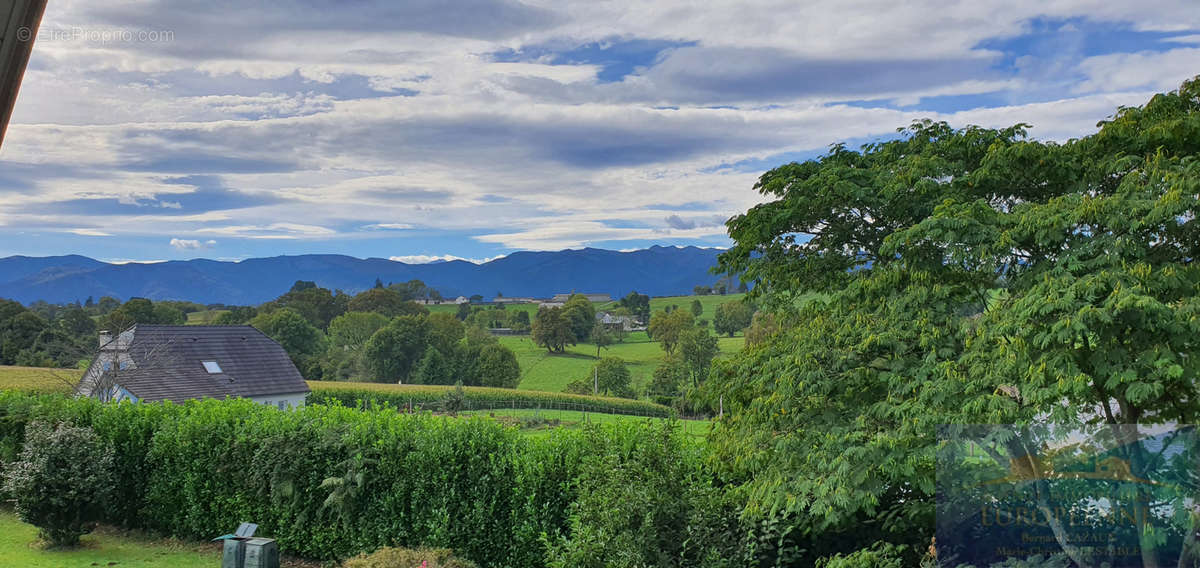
<point>106,547</point>
<point>543,371</point>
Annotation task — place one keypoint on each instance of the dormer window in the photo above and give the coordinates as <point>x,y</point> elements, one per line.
<point>212,367</point>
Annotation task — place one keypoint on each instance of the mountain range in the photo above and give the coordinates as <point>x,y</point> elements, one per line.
<point>656,271</point>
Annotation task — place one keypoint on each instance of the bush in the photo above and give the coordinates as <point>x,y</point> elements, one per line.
<point>633,504</point>
<point>62,481</point>
<point>468,484</point>
<point>477,398</point>
<point>408,558</point>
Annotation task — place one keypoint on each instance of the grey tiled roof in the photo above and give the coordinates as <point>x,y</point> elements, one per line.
<point>169,363</point>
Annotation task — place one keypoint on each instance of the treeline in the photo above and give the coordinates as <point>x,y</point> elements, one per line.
<point>64,335</point>
<point>380,335</point>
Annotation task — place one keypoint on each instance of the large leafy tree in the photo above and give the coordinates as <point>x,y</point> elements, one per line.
<point>582,315</point>
<point>385,301</point>
<point>981,278</point>
<point>394,351</point>
<point>294,333</point>
<point>552,329</point>
<point>732,317</point>
<point>667,327</point>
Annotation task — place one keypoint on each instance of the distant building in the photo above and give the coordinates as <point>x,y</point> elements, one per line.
<point>152,363</point>
<point>507,300</point>
<point>623,323</point>
<point>550,305</point>
<point>596,298</point>
<point>462,300</point>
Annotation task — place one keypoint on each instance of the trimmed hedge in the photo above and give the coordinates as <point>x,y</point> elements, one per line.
<point>477,398</point>
<point>469,484</point>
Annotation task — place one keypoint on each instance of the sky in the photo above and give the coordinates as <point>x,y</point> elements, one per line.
<point>420,130</point>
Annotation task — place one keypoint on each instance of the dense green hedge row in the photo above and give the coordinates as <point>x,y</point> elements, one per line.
<point>477,398</point>
<point>501,499</point>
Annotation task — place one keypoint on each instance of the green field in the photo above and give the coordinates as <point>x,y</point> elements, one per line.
<point>105,547</point>
<point>38,379</point>
<point>709,303</point>
<point>203,317</point>
<point>544,371</point>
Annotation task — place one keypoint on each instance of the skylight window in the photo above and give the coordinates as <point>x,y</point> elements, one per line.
<point>212,367</point>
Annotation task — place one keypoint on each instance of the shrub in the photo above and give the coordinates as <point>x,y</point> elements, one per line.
<point>632,507</point>
<point>61,481</point>
<point>408,558</point>
<point>477,398</point>
<point>468,484</point>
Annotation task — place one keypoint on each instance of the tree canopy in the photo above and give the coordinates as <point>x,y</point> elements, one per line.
<point>974,276</point>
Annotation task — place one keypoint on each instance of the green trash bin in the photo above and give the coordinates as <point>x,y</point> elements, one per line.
<point>261,553</point>
<point>234,554</point>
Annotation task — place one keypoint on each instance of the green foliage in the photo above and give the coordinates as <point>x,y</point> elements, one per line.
<point>393,352</point>
<point>668,380</point>
<point>581,314</point>
<point>697,308</point>
<point>385,301</point>
<point>612,377</point>
<point>455,399</point>
<point>637,304</point>
<point>762,328</point>
<point>496,366</point>
<point>62,481</point>
<point>602,337</point>
<point>318,305</point>
<point>732,317</point>
<point>141,310</point>
<point>236,315</point>
<point>389,557</point>
<point>351,330</point>
<point>294,333</point>
<point>632,510</point>
<point>433,369</point>
<point>468,484</point>
<point>552,329</point>
<point>879,555</point>
<point>478,398</point>
<point>995,280</point>
<point>667,327</point>
<point>697,347</point>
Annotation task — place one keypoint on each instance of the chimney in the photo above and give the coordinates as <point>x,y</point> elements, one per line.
<point>105,338</point>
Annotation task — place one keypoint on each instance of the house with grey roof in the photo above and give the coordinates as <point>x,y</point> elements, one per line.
<point>152,363</point>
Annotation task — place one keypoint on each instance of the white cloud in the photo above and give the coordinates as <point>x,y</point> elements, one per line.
<point>192,244</point>
<point>90,232</point>
<point>426,259</point>
<point>238,129</point>
<point>389,226</point>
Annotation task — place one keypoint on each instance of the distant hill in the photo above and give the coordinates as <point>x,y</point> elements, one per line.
<point>657,271</point>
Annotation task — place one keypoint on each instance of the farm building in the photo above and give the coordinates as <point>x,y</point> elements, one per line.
<point>595,298</point>
<point>153,363</point>
<point>622,323</point>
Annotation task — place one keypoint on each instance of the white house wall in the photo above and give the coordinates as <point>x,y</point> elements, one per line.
<point>282,401</point>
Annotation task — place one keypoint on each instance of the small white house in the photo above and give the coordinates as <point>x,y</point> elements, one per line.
<point>152,363</point>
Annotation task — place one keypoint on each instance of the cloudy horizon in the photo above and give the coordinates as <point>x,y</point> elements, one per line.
<point>157,130</point>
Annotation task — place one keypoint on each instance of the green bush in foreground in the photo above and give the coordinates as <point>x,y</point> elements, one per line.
<point>61,481</point>
<point>469,484</point>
